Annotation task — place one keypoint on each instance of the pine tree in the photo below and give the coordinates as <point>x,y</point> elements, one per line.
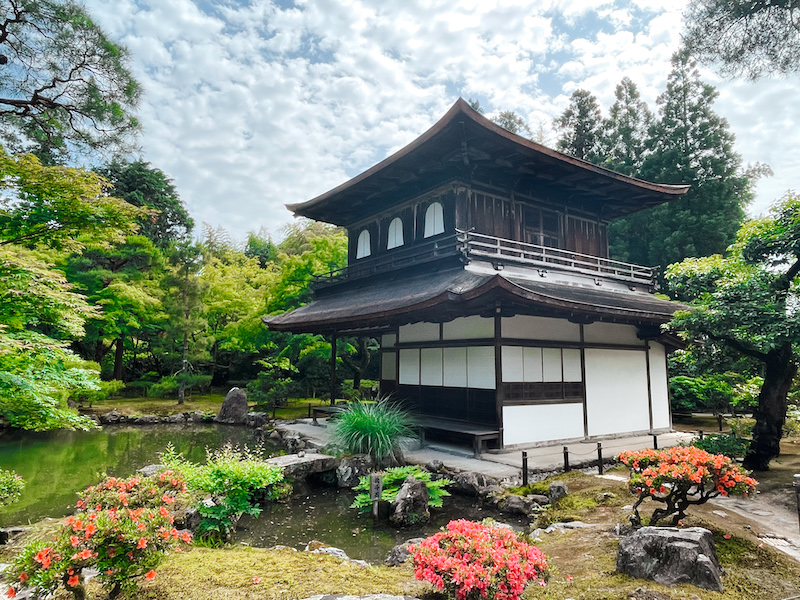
<point>688,144</point>
<point>580,126</point>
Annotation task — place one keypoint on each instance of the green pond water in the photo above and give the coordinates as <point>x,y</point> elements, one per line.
<point>56,465</point>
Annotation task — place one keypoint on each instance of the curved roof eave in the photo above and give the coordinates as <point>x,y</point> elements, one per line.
<point>461,107</point>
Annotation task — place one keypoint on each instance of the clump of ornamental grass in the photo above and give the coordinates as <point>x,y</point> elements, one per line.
<point>374,429</point>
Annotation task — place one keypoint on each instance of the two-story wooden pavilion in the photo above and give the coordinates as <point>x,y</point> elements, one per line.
<point>480,260</point>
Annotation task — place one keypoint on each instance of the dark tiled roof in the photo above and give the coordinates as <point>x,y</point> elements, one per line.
<point>457,292</point>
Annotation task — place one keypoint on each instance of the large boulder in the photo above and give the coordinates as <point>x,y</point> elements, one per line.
<point>669,555</point>
<point>471,483</point>
<point>517,505</point>
<point>234,408</point>
<point>400,553</point>
<point>410,506</point>
<point>350,469</point>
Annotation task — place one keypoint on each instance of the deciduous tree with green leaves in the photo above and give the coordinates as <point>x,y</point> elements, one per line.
<point>748,301</point>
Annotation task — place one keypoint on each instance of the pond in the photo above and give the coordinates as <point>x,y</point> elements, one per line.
<point>56,465</point>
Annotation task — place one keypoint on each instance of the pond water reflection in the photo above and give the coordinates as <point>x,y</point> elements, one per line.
<point>57,464</point>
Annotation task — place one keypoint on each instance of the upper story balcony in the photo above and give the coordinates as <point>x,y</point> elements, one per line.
<point>472,246</point>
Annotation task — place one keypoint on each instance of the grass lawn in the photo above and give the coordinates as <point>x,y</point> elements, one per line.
<point>297,408</point>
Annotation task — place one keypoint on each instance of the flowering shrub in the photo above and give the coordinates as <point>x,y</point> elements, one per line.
<point>11,486</point>
<point>682,476</point>
<point>472,560</point>
<point>122,527</point>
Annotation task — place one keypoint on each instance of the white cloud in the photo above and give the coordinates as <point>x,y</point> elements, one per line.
<point>255,105</point>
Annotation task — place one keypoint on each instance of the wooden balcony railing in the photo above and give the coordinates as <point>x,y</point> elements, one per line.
<point>469,244</point>
<point>500,250</point>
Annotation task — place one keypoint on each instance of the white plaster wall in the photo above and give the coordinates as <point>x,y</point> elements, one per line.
<point>532,364</point>
<point>611,333</point>
<point>659,386</point>
<point>512,364</point>
<point>419,332</point>
<point>409,366</point>
<point>480,367</point>
<point>468,328</point>
<point>616,391</point>
<point>388,340</point>
<point>431,367</point>
<point>540,328</point>
<point>551,364</point>
<point>455,367</point>
<point>541,423</point>
<point>389,366</point>
<point>572,364</point>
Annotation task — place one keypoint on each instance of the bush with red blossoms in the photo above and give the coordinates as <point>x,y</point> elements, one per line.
<point>681,476</point>
<point>472,560</point>
<point>122,527</point>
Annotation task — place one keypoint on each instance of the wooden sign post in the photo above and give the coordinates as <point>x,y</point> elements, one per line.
<point>375,491</point>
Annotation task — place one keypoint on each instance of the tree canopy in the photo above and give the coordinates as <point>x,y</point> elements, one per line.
<point>580,126</point>
<point>64,85</point>
<point>745,37</point>
<point>747,300</point>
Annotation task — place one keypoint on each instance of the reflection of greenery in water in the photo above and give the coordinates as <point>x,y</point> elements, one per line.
<point>57,464</point>
<point>323,514</point>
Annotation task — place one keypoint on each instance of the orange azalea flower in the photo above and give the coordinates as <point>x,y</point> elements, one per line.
<point>11,593</point>
<point>23,577</point>
<point>142,543</point>
<point>150,575</point>
<point>72,581</point>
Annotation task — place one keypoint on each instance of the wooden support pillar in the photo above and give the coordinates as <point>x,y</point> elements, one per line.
<point>333,369</point>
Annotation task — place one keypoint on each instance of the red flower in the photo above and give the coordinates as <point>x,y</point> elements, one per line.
<point>23,577</point>
<point>142,543</point>
<point>150,575</point>
<point>256,580</point>
<point>72,581</point>
<point>11,593</point>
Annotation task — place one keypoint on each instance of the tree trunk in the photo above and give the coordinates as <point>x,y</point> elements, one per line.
<point>118,356</point>
<point>184,367</point>
<point>770,414</point>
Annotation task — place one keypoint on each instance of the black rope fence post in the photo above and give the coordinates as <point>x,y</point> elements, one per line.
<point>655,442</point>
<point>524,468</point>
<point>599,458</point>
<point>566,459</point>
<point>796,485</point>
<point>309,410</point>
<point>701,434</point>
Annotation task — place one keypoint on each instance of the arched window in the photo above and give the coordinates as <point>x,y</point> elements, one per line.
<point>434,220</point>
<point>395,238</point>
<point>364,247</point>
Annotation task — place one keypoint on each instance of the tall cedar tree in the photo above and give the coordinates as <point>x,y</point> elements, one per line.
<point>748,301</point>
<point>141,184</point>
<point>508,119</point>
<point>580,126</point>
<point>745,37</point>
<point>64,85</point>
<point>688,144</point>
<point>623,142</point>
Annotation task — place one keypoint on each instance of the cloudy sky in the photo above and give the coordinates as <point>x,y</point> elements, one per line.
<point>251,105</point>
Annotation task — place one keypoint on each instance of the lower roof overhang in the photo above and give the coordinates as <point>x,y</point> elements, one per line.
<point>445,295</point>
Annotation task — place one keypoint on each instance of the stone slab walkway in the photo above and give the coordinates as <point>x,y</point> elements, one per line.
<point>506,464</point>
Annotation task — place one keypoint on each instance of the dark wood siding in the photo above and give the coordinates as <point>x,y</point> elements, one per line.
<point>463,404</point>
<point>586,237</point>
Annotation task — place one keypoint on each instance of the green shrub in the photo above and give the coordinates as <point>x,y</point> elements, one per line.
<point>723,443</point>
<point>271,387</point>
<point>741,427</point>
<point>791,428</point>
<point>238,481</point>
<point>105,389</point>
<point>11,486</point>
<point>392,481</point>
<point>374,429</point>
